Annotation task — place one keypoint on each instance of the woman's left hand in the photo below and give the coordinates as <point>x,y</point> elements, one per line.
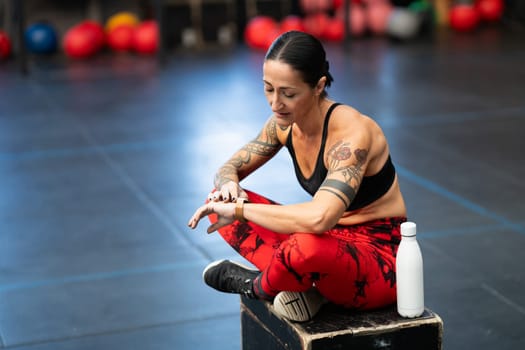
<point>225,215</point>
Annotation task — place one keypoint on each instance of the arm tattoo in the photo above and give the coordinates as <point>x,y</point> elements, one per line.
<point>345,202</point>
<point>260,148</point>
<point>354,172</point>
<point>266,144</point>
<point>339,153</point>
<point>271,133</point>
<point>339,186</point>
<point>224,175</point>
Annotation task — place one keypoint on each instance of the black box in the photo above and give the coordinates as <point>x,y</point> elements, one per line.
<point>337,328</point>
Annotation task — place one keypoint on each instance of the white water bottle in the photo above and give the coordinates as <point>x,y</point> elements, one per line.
<point>409,274</point>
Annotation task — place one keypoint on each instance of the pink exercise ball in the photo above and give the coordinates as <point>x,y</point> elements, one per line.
<point>357,20</point>
<point>377,15</point>
<point>313,6</point>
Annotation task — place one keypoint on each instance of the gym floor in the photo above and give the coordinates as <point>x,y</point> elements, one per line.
<point>103,162</point>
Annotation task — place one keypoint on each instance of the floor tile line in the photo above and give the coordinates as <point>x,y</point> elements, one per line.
<point>89,277</point>
<point>461,231</point>
<point>443,192</point>
<point>503,298</point>
<point>151,205</point>
<point>89,150</point>
<point>128,181</point>
<point>107,275</point>
<point>172,143</point>
<point>456,117</point>
<point>120,331</point>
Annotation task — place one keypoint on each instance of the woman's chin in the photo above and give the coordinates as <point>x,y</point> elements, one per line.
<point>283,121</point>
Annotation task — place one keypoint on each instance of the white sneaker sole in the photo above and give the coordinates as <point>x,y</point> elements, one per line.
<point>298,307</point>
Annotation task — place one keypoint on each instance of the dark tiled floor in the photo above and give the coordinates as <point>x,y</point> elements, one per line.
<point>103,162</point>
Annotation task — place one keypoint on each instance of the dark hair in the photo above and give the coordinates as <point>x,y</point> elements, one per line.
<point>304,53</point>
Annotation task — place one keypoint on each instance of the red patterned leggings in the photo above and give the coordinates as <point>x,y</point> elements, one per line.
<point>353,266</point>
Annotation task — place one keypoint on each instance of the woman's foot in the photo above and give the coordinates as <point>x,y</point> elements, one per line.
<point>230,277</point>
<point>298,306</point>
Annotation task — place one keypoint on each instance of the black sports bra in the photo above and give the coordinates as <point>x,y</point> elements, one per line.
<point>371,188</point>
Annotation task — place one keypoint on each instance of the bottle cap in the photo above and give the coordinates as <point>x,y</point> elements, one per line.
<point>408,229</point>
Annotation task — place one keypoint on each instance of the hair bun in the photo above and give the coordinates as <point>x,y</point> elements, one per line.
<point>329,78</point>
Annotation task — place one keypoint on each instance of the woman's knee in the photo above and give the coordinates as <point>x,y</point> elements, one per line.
<point>305,250</point>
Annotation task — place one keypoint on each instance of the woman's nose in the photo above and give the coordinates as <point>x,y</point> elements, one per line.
<point>276,103</point>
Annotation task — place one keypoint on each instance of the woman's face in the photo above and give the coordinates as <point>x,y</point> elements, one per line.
<point>288,95</point>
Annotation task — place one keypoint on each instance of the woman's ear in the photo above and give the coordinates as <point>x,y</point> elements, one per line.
<point>319,88</point>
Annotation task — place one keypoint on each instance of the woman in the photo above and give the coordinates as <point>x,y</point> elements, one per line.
<point>341,245</point>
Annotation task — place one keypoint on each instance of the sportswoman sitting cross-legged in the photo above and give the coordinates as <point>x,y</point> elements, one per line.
<point>341,245</point>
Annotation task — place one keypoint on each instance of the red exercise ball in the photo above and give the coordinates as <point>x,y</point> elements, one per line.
<point>5,45</point>
<point>292,22</point>
<point>146,38</point>
<point>335,30</point>
<point>260,32</point>
<point>120,38</point>
<point>81,41</point>
<point>313,6</point>
<point>316,24</point>
<point>377,14</point>
<point>490,10</point>
<point>96,30</point>
<point>463,17</point>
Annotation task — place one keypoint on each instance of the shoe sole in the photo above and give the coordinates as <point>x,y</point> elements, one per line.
<point>298,307</point>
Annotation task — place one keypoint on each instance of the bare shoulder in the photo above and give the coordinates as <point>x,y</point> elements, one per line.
<point>351,122</point>
<point>359,131</point>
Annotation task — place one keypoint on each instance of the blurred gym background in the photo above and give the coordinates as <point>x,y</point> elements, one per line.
<point>82,29</point>
<point>114,116</point>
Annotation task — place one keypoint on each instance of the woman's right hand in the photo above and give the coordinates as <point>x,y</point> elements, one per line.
<point>225,215</point>
<point>229,192</point>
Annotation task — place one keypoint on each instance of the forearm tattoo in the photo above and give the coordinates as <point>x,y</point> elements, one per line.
<point>339,153</point>
<point>266,144</point>
<point>225,174</point>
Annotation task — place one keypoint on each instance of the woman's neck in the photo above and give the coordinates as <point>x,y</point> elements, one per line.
<point>311,126</point>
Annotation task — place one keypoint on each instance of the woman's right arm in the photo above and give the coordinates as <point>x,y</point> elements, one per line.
<point>246,160</point>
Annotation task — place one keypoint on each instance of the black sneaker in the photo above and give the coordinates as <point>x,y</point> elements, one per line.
<point>230,277</point>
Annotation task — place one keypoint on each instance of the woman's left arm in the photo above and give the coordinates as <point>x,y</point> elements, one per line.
<point>346,162</point>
